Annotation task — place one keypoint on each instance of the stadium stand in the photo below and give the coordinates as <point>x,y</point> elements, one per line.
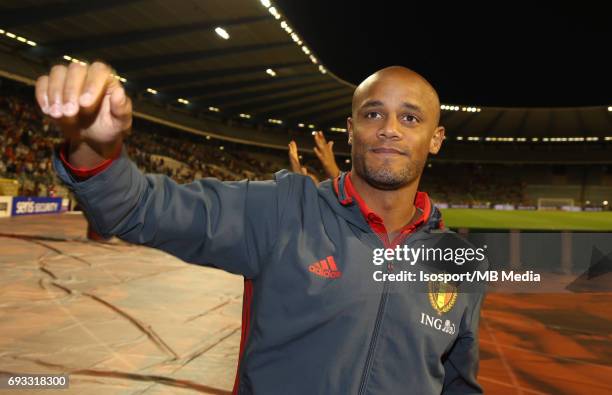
<point>29,138</point>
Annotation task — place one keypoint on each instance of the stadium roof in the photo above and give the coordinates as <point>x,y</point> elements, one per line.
<point>168,51</point>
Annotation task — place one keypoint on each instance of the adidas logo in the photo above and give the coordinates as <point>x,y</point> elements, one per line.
<point>325,268</point>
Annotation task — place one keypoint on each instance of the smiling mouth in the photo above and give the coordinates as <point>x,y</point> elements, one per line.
<point>387,151</point>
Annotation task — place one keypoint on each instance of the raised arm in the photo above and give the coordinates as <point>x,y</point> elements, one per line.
<point>230,225</point>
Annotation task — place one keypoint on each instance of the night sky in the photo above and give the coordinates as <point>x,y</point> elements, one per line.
<point>501,54</point>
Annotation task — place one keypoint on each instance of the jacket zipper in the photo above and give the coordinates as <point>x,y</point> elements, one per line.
<point>374,339</point>
<point>381,307</point>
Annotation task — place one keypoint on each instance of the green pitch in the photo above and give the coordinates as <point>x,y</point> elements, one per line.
<point>527,220</point>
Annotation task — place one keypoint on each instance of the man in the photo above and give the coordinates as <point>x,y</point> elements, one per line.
<point>314,321</point>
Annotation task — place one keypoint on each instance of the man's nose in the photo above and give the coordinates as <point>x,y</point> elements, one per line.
<point>390,129</point>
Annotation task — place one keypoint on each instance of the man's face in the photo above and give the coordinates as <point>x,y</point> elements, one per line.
<point>393,128</point>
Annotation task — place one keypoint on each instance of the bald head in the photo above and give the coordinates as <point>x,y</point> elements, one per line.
<point>405,79</point>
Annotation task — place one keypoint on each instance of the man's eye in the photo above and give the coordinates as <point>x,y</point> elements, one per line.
<point>373,114</point>
<point>411,118</point>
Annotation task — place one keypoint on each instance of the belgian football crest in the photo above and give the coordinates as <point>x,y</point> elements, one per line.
<point>442,296</point>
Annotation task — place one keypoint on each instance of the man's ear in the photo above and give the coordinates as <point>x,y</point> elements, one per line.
<point>349,128</point>
<point>436,140</point>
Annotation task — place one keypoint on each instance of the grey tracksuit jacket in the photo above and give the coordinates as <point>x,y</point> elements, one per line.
<point>311,324</point>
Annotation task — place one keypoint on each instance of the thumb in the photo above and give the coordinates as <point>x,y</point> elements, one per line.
<point>120,104</point>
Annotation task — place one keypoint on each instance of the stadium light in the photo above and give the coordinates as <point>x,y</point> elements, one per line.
<point>75,60</point>
<point>18,38</point>
<point>271,72</point>
<point>347,161</point>
<point>610,108</point>
<point>222,33</point>
<point>274,12</point>
<point>322,69</point>
<point>183,101</point>
<point>221,148</point>
<point>311,126</point>
<point>300,125</point>
<point>213,109</point>
<point>152,91</point>
<point>605,202</point>
<point>451,108</point>
<point>117,77</point>
<point>245,116</point>
<point>265,3</point>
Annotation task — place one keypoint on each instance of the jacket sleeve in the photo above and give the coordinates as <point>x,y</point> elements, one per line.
<point>229,225</point>
<point>461,363</point>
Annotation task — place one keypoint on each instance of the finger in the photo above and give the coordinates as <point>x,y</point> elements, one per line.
<point>55,90</point>
<point>75,78</point>
<point>121,105</point>
<point>42,86</point>
<point>318,152</point>
<point>304,171</point>
<point>294,149</point>
<point>320,140</point>
<point>98,77</point>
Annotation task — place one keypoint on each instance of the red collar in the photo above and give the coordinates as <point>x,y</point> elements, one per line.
<point>421,201</point>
